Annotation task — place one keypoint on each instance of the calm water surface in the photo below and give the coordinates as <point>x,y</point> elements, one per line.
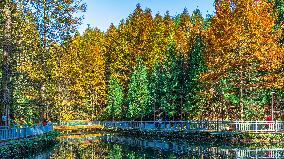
<point>111,146</point>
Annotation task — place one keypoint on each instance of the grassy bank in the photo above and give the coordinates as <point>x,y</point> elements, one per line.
<point>21,147</point>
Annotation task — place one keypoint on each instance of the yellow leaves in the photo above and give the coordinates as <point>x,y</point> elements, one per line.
<point>76,127</point>
<point>242,35</point>
<point>274,80</point>
<point>82,67</point>
<point>67,116</point>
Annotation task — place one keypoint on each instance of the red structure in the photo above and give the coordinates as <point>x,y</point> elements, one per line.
<point>269,118</point>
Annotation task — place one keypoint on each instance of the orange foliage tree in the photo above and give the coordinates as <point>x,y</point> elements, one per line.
<point>241,44</point>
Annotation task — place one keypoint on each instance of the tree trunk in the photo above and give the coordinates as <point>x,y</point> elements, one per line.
<point>181,112</point>
<point>155,110</point>
<point>42,100</point>
<point>6,68</point>
<point>241,94</point>
<point>241,80</point>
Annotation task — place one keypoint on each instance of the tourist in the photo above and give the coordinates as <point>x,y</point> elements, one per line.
<point>44,123</point>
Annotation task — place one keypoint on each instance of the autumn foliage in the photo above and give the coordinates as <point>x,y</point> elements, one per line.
<point>157,66</point>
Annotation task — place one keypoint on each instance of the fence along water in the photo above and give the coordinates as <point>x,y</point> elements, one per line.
<point>11,133</point>
<point>237,126</point>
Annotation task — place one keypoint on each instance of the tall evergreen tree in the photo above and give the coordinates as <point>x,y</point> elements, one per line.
<point>182,85</point>
<point>114,99</point>
<point>155,90</point>
<point>138,93</point>
<point>170,85</point>
<point>279,9</point>
<point>242,39</point>
<point>196,65</point>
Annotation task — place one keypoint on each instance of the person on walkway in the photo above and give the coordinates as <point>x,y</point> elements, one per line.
<point>44,122</point>
<point>160,122</point>
<point>269,119</point>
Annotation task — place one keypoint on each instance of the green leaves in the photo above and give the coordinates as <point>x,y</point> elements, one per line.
<point>56,20</point>
<point>147,65</point>
<point>138,93</point>
<point>115,99</point>
<point>279,11</point>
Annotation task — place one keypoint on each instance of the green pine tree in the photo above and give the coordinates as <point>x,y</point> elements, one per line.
<point>138,93</point>
<point>279,9</point>
<point>196,65</point>
<point>180,72</point>
<point>114,99</point>
<point>155,90</point>
<point>170,84</point>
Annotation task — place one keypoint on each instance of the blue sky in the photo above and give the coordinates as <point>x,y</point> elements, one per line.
<point>101,13</point>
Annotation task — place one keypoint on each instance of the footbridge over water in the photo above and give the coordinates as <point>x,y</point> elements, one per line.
<point>186,126</point>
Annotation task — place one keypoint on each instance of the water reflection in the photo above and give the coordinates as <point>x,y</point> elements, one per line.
<point>98,146</point>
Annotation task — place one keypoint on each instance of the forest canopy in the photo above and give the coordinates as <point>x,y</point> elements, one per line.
<point>174,67</point>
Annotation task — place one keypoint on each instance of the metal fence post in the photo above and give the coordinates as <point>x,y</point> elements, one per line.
<point>218,125</point>
<point>5,134</point>
<point>256,126</point>
<point>275,126</point>
<point>188,126</point>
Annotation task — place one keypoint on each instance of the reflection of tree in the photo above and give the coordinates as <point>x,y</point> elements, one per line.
<point>133,155</point>
<point>89,149</point>
<point>94,149</point>
<point>102,150</point>
<point>115,152</point>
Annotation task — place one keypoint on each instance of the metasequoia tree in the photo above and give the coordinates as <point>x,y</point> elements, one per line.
<point>92,64</point>
<point>138,92</point>
<point>73,76</point>
<point>80,74</point>
<point>157,43</point>
<point>115,99</point>
<point>182,33</point>
<point>279,11</point>
<point>155,90</point>
<point>241,39</point>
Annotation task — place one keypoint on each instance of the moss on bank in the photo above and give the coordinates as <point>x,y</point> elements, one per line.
<point>26,146</point>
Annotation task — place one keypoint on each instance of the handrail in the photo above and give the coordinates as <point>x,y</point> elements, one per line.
<point>238,126</point>
<point>12,133</point>
<point>193,125</point>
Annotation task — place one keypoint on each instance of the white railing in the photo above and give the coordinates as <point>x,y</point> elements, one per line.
<point>259,153</point>
<point>12,133</point>
<point>237,126</point>
<point>259,126</point>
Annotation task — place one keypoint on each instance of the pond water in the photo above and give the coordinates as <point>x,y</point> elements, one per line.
<point>114,146</point>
